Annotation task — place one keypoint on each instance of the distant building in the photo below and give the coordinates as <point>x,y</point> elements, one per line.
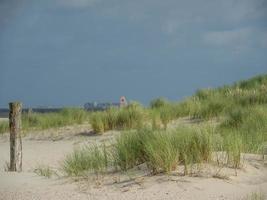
<point>123,101</point>
<point>94,106</point>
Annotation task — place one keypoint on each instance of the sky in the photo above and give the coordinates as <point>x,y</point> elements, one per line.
<point>69,52</point>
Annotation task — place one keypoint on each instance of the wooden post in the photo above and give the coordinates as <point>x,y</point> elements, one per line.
<point>15,136</point>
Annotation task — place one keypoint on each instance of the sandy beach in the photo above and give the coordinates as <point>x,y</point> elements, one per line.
<point>48,148</point>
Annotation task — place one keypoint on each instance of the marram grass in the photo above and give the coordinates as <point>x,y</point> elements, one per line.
<point>129,117</point>
<point>161,151</point>
<point>86,159</point>
<point>65,117</point>
<point>4,127</point>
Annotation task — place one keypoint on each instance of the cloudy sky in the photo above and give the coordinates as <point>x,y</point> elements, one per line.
<point>68,52</point>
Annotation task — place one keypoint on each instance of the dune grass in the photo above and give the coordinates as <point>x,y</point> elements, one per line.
<point>44,170</point>
<point>4,127</point>
<point>161,151</point>
<point>194,145</point>
<point>65,117</point>
<point>158,103</point>
<point>87,159</point>
<point>255,196</point>
<point>233,146</point>
<point>156,122</point>
<point>209,103</point>
<point>250,124</point>
<point>240,108</point>
<point>128,151</point>
<point>128,117</point>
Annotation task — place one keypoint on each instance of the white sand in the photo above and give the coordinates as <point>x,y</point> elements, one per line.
<point>39,150</point>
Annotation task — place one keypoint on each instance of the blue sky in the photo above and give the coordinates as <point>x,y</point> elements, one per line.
<point>68,52</point>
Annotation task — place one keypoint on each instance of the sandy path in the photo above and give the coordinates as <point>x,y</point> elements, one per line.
<point>36,150</point>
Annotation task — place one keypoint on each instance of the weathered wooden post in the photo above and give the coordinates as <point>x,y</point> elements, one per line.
<point>15,136</point>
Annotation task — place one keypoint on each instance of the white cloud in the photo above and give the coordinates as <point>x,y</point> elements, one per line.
<point>182,19</point>
<point>228,13</point>
<point>237,40</point>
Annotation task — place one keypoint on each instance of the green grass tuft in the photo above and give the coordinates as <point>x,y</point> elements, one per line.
<point>87,159</point>
<point>129,117</point>
<point>161,154</point>
<point>233,146</point>
<point>43,170</point>
<point>255,196</point>
<point>67,116</point>
<point>4,127</point>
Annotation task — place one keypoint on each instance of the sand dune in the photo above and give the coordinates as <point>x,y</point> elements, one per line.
<point>39,149</point>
